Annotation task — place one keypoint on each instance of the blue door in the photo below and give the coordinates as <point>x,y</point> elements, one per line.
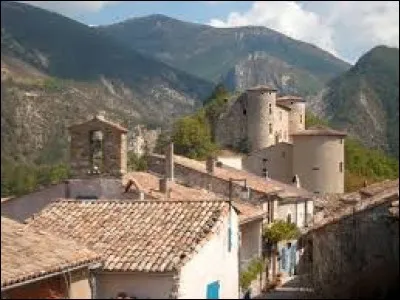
<point>213,290</point>
<point>292,259</point>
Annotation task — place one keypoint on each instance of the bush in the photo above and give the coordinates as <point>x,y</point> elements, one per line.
<point>136,163</point>
<point>280,230</point>
<point>254,268</point>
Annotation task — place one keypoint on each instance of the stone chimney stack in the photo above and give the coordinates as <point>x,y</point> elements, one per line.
<point>296,181</point>
<point>169,162</point>
<point>210,164</point>
<point>164,185</point>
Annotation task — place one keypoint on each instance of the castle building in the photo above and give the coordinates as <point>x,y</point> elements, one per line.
<point>272,130</point>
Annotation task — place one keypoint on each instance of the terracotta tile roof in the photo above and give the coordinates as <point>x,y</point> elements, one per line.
<point>150,236</point>
<point>289,98</point>
<point>378,187</point>
<point>262,88</point>
<point>27,253</point>
<point>255,182</point>
<point>341,211</point>
<point>319,130</point>
<point>101,120</point>
<point>248,212</point>
<point>149,184</point>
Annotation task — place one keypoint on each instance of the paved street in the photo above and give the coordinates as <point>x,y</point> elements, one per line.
<point>290,289</point>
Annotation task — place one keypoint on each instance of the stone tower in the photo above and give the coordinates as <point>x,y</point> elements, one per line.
<point>297,115</point>
<point>261,101</point>
<point>98,148</point>
<point>318,159</point>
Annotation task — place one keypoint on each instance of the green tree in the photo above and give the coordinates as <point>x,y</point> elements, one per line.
<point>192,137</point>
<point>280,230</point>
<point>136,162</point>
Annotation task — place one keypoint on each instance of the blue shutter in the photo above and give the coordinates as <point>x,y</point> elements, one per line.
<point>213,290</point>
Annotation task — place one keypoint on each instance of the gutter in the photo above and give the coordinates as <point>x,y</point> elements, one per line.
<point>90,266</point>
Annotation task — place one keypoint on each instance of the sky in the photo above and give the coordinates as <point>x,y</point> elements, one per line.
<point>346,29</point>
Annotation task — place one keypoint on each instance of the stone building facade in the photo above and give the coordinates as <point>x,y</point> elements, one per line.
<point>272,129</point>
<point>354,253</point>
<point>98,147</point>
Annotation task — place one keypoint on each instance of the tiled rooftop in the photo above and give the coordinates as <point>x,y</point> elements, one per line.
<point>27,253</point>
<point>378,187</point>
<point>319,130</point>
<point>343,204</point>
<point>253,181</point>
<point>149,184</point>
<point>150,236</point>
<point>290,98</point>
<point>248,212</point>
<point>100,119</point>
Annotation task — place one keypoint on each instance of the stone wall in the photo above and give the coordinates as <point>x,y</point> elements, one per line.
<point>357,256</point>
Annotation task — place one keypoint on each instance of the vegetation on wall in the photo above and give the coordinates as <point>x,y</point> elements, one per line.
<point>136,162</point>
<point>280,230</point>
<point>251,273</point>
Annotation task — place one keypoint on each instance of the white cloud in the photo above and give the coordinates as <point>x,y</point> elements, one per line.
<point>346,28</point>
<point>71,7</point>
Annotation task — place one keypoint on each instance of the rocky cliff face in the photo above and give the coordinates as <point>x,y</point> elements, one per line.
<point>365,100</point>
<point>56,71</point>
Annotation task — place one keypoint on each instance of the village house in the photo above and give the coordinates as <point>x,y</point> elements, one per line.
<point>154,249</point>
<point>279,201</point>
<point>39,265</point>
<point>352,250</point>
<point>251,216</point>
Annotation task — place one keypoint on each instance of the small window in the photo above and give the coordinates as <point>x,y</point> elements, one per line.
<point>270,108</point>
<point>315,169</point>
<point>341,167</point>
<point>316,192</point>
<point>289,218</point>
<point>244,111</point>
<point>265,160</point>
<point>301,118</point>
<point>270,128</point>
<point>283,154</point>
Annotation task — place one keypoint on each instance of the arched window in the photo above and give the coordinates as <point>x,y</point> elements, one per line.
<point>96,151</point>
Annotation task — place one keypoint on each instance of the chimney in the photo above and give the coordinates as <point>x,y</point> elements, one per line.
<point>67,189</point>
<point>163,182</point>
<point>210,164</point>
<point>169,161</point>
<point>296,181</point>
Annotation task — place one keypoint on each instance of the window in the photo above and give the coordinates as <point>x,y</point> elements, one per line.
<point>301,118</point>
<point>341,167</point>
<point>315,169</point>
<point>265,160</point>
<point>265,173</point>
<point>270,127</point>
<point>244,111</point>
<point>270,108</point>
<point>283,154</point>
<point>289,218</point>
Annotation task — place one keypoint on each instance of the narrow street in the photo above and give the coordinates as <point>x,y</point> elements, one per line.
<point>290,289</point>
